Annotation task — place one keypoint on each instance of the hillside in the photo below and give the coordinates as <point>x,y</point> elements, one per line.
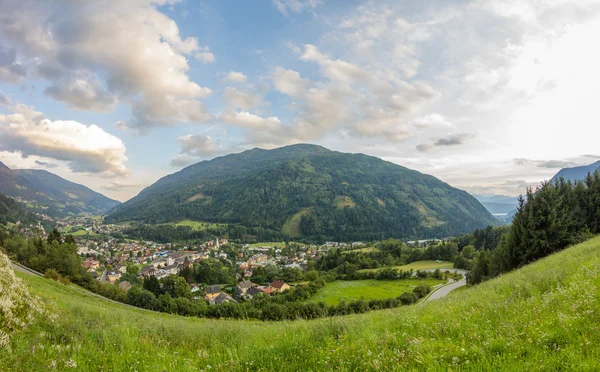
<point>577,173</point>
<point>544,316</point>
<point>306,190</point>
<point>50,194</point>
<point>13,212</point>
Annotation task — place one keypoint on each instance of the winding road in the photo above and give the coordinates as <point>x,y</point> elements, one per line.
<point>443,291</point>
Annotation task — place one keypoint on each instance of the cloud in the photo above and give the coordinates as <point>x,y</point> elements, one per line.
<point>97,54</point>
<point>205,56</point>
<point>46,164</point>
<point>235,98</point>
<point>450,140</point>
<point>236,77</point>
<point>247,120</point>
<point>296,6</point>
<point>551,164</point>
<point>83,93</point>
<point>288,82</point>
<point>85,148</point>
<point>453,139</point>
<point>119,186</point>
<point>195,147</point>
<point>11,70</point>
<point>431,121</point>
<point>4,100</point>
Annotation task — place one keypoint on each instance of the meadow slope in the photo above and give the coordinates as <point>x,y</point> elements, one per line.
<point>545,316</point>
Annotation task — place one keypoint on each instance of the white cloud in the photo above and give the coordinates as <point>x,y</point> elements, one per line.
<point>288,82</point>
<point>4,100</point>
<point>85,148</point>
<point>250,121</point>
<point>127,52</point>
<point>296,6</point>
<point>205,56</point>
<point>236,77</point>
<point>244,100</point>
<point>120,185</point>
<point>195,147</point>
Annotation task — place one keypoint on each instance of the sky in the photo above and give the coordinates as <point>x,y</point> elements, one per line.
<point>490,96</point>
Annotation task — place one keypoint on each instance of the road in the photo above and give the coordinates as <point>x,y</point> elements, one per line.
<point>441,292</point>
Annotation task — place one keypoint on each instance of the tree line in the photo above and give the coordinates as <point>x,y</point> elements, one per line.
<point>548,219</point>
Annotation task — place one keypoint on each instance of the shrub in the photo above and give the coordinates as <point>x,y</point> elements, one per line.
<point>422,290</point>
<point>55,275</point>
<point>408,298</point>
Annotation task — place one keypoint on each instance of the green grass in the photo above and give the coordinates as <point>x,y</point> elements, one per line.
<point>363,250</point>
<point>267,244</point>
<point>292,226</point>
<point>421,265</point>
<point>333,293</point>
<point>545,316</point>
<point>199,225</point>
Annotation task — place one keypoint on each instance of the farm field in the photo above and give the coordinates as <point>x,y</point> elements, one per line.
<point>349,290</point>
<point>548,321</point>
<point>199,225</point>
<point>420,265</point>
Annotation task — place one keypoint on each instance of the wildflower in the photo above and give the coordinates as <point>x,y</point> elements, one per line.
<point>70,363</point>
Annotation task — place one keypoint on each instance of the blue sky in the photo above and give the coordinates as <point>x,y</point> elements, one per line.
<point>489,96</point>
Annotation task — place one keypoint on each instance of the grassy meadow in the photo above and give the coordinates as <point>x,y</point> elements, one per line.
<point>199,225</point>
<point>348,290</point>
<point>545,316</point>
<point>421,265</point>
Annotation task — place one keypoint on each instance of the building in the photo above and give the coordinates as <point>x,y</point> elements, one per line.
<point>212,291</point>
<point>245,286</point>
<point>280,286</point>
<point>113,276</point>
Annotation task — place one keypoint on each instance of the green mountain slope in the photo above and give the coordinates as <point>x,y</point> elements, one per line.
<point>13,211</point>
<point>543,316</point>
<point>577,173</point>
<point>309,191</point>
<point>47,193</point>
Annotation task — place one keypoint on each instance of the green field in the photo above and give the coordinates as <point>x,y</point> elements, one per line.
<point>545,316</point>
<point>267,244</point>
<point>420,265</point>
<point>199,225</point>
<point>363,250</point>
<point>349,290</point>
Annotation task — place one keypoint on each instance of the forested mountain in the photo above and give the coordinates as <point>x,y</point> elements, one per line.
<point>13,211</point>
<point>577,173</point>
<point>47,193</point>
<point>309,191</point>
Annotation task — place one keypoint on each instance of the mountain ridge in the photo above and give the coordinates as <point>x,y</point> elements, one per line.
<point>308,190</point>
<point>577,173</point>
<point>47,193</point>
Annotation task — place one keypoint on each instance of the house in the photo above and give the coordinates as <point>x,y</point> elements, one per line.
<point>194,288</point>
<point>279,286</point>
<point>173,269</point>
<point>126,286</point>
<point>258,260</point>
<point>147,271</point>
<point>221,298</point>
<point>245,286</point>
<point>91,263</point>
<point>113,276</point>
<point>212,291</point>
<point>253,292</point>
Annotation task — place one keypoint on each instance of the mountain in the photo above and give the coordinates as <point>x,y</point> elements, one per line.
<point>48,193</point>
<point>306,190</point>
<point>577,173</point>
<point>13,211</point>
<point>498,204</point>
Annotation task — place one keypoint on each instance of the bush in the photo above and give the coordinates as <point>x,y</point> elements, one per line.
<point>408,298</point>
<point>422,290</point>
<point>55,275</point>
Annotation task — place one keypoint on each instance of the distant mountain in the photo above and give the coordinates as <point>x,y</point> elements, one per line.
<point>309,191</point>
<point>577,173</point>
<point>13,212</point>
<point>498,204</point>
<point>48,193</point>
